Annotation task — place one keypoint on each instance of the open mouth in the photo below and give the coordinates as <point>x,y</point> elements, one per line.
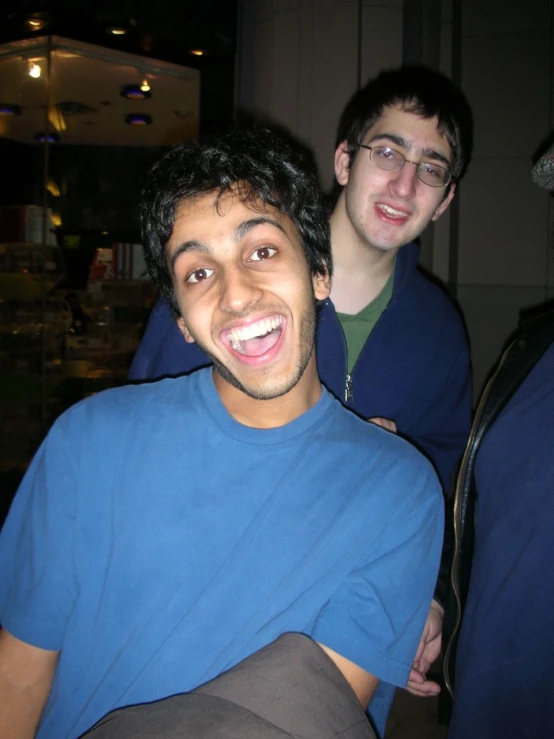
<point>256,339</point>
<point>391,212</point>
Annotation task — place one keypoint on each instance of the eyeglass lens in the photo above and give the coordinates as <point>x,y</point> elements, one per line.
<point>386,158</point>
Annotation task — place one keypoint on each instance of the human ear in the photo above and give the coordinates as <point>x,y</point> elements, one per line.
<point>444,204</point>
<point>322,286</point>
<point>342,163</point>
<point>184,331</point>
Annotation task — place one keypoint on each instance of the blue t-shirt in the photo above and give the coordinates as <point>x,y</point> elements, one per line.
<point>157,542</point>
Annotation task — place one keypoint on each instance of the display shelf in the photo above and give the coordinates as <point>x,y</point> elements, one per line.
<point>33,325</point>
<point>115,312</point>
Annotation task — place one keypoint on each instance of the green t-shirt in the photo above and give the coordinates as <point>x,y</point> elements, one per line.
<point>357,327</point>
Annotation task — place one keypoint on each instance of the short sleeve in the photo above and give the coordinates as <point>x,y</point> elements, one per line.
<point>37,573</point>
<point>376,616</point>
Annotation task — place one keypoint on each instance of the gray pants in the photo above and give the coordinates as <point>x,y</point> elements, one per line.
<point>291,688</point>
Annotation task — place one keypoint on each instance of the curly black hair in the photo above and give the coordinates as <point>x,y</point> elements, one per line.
<point>260,166</point>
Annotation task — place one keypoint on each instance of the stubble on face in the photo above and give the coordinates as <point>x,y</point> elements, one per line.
<point>273,385</point>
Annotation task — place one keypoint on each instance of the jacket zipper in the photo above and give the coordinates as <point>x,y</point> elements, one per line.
<point>348,389</point>
<point>348,394</point>
<point>457,508</point>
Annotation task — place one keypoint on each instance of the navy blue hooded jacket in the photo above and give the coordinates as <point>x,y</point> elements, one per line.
<point>414,368</point>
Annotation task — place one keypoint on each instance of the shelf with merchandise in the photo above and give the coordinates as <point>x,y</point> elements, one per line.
<point>113,314</point>
<point>33,323</point>
<point>29,271</point>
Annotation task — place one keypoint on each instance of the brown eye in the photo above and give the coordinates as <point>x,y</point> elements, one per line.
<point>263,253</point>
<point>199,275</point>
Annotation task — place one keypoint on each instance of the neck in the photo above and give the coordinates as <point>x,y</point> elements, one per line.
<point>360,270</point>
<point>273,412</point>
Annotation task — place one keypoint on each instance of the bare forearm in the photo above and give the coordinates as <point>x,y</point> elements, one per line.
<point>361,682</point>
<point>26,674</point>
<point>20,710</point>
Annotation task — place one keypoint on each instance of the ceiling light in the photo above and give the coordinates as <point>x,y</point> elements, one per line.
<point>138,119</point>
<point>9,110</point>
<point>34,70</point>
<point>52,187</point>
<point>35,23</point>
<point>198,52</point>
<point>135,92</point>
<point>42,137</point>
<point>145,85</point>
<point>117,30</point>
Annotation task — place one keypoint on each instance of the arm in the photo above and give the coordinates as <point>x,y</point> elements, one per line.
<point>26,675</point>
<point>431,639</point>
<point>361,682</point>
<point>375,618</point>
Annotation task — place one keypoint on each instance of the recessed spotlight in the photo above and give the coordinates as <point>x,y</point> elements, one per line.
<point>138,119</point>
<point>198,52</point>
<point>42,137</point>
<point>117,30</point>
<point>135,92</point>
<point>35,23</point>
<point>9,110</point>
<point>34,70</point>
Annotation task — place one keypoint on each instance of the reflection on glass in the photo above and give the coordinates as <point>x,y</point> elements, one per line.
<point>74,293</point>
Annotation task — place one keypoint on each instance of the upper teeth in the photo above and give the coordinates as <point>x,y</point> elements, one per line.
<point>260,328</point>
<point>392,211</point>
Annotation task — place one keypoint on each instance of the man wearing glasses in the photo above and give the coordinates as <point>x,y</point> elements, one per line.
<point>389,339</point>
<point>390,344</point>
<point>402,145</point>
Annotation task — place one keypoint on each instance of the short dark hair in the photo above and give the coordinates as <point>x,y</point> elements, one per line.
<point>416,89</point>
<point>256,163</point>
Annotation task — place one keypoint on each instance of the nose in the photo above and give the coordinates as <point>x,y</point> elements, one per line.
<point>404,181</point>
<point>238,290</point>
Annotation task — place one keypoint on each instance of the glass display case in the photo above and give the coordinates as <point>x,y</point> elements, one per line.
<point>80,125</point>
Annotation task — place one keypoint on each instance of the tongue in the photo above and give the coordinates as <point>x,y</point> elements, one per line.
<point>261,344</point>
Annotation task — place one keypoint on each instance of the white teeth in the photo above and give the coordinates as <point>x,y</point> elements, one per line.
<point>260,328</point>
<point>236,345</point>
<point>392,211</point>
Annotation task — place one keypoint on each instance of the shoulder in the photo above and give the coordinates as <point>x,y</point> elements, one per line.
<point>111,411</point>
<point>416,283</point>
<point>427,314</point>
<point>382,460</point>
<point>163,352</point>
<point>434,297</point>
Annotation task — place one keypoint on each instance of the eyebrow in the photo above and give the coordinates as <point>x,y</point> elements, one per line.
<point>399,141</point>
<point>246,226</point>
<point>240,232</point>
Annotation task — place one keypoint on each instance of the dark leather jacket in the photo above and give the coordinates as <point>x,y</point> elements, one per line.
<point>533,337</point>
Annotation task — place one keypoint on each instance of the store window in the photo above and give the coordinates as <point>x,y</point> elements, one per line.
<point>80,125</point>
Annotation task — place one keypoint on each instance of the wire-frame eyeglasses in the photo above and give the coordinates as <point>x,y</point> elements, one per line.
<point>391,160</point>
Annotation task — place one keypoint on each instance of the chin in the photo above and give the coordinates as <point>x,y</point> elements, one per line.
<point>270,388</point>
<point>266,388</point>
